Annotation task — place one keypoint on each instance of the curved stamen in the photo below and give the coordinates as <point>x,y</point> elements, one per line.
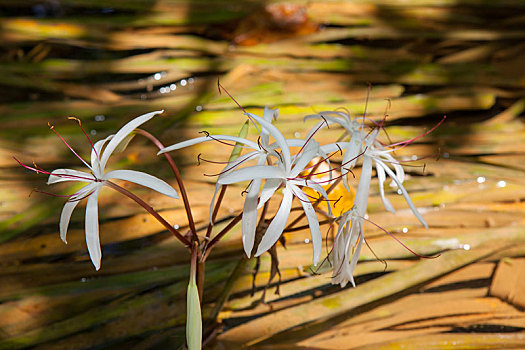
<point>398,241</point>
<point>68,146</point>
<point>39,170</point>
<point>84,131</point>
<point>232,167</point>
<point>407,142</point>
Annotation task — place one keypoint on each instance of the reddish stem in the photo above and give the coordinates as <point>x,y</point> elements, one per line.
<point>176,172</point>
<point>150,210</point>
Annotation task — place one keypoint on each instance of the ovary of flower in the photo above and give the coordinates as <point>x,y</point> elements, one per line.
<point>284,173</point>
<point>96,179</point>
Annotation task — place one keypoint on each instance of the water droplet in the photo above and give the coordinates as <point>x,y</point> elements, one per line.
<point>501,184</point>
<point>198,108</point>
<point>465,246</point>
<point>93,132</point>
<point>297,134</point>
<point>157,76</point>
<point>164,90</point>
<point>366,216</point>
<point>173,87</point>
<point>100,118</point>
<point>414,157</point>
<point>405,230</point>
<point>399,191</point>
<point>191,80</point>
<point>480,179</point>
<point>306,240</point>
<point>176,226</point>
<point>231,210</point>
<point>83,279</point>
<point>183,82</point>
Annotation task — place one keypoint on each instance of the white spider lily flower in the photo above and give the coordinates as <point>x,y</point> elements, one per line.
<point>261,151</point>
<point>370,147</point>
<point>96,178</point>
<point>285,173</point>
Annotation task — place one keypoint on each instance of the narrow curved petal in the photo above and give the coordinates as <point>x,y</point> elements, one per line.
<point>276,227</point>
<point>382,177</point>
<point>313,223</point>
<point>249,217</point>
<point>60,175</point>
<point>65,216</point>
<point>251,173</point>
<point>143,179</point>
<point>96,153</point>
<point>309,152</point>
<point>268,190</point>
<point>407,197</point>
<point>269,115</point>
<point>333,147</point>
<point>357,251</point>
<point>198,140</point>
<point>92,237</point>
<point>122,133</point>
<point>241,160</point>
<point>363,188</point>
<point>69,206</point>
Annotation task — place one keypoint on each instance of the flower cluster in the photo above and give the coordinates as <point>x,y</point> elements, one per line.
<point>280,168</point>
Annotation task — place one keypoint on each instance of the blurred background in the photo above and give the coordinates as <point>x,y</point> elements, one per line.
<point>106,62</point>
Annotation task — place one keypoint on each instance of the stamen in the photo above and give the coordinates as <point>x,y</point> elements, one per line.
<point>375,255</point>
<point>228,169</point>
<point>39,170</point>
<point>226,91</point>
<point>68,146</point>
<point>398,241</point>
<point>407,142</point>
<point>214,139</point>
<point>84,131</point>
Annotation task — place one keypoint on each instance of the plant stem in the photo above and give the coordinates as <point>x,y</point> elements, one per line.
<point>215,239</point>
<point>215,211</point>
<point>176,172</point>
<point>150,210</point>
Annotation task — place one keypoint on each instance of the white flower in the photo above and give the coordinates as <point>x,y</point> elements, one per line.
<point>96,178</point>
<point>369,147</point>
<point>284,173</point>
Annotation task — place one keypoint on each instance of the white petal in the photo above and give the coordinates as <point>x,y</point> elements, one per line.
<point>198,140</point>
<point>268,190</point>
<point>332,147</point>
<point>269,115</point>
<point>313,222</point>
<point>60,175</point>
<point>92,237</point>
<point>276,227</point>
<point>249,217</point>
<point>121,135</point>
<point>70,205</point>
<point>279,138</point>
<point>407,197</point>
<point>143,179</point>
<point>309,152</point>
<point>363,188</point>
<point>381,177</point>
<point>65,216</point>
<point>250,173</point>
<point>241,160</point>
<point>96,153</point>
